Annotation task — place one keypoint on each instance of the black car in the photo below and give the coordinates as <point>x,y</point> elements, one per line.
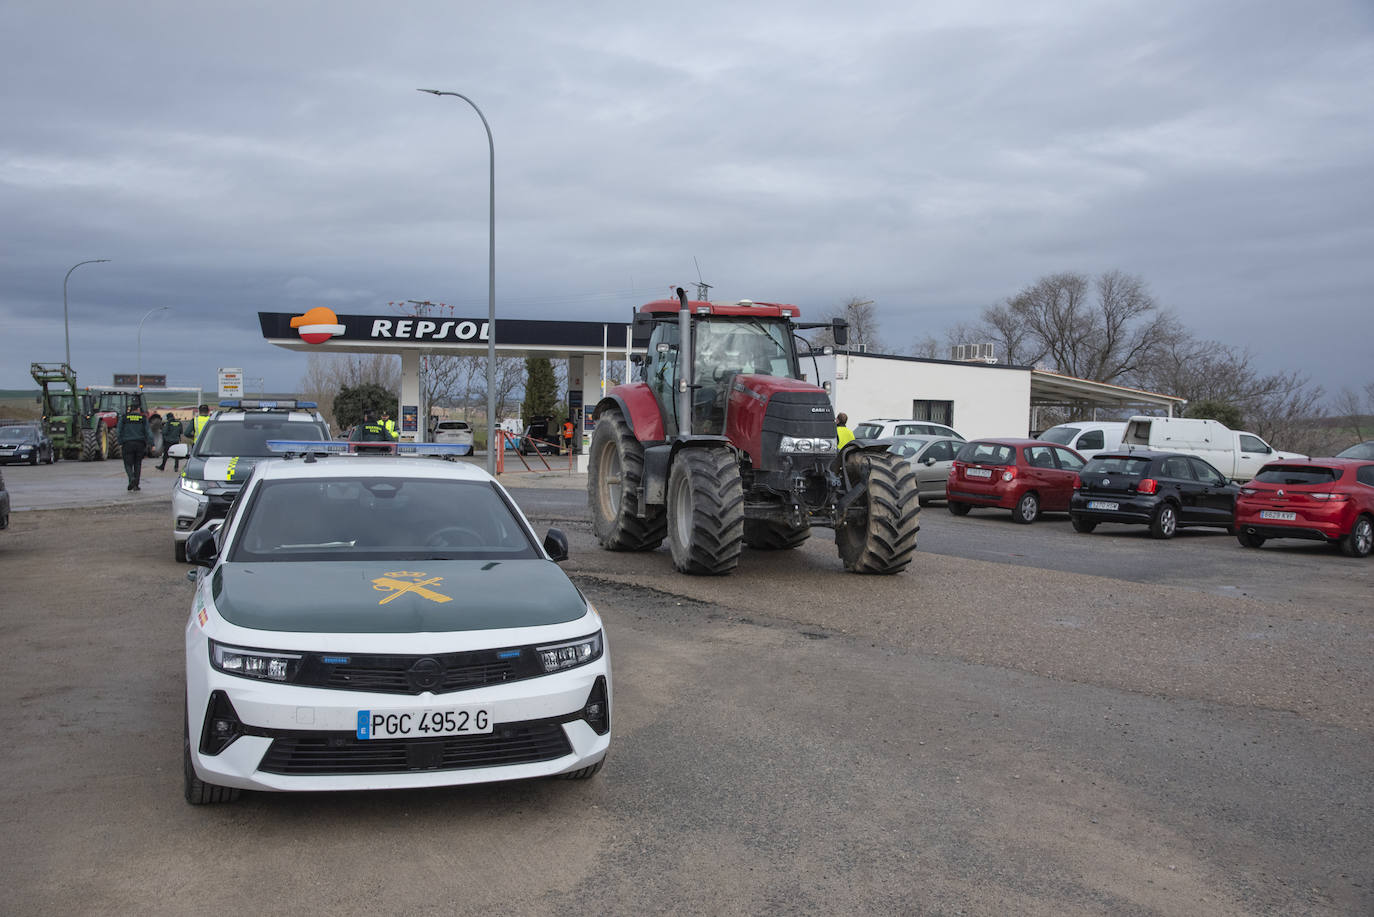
<point>25,443</point>
<point>1164,490</point>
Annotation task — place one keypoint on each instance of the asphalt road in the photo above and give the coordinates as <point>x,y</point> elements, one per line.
<point>983,734</point>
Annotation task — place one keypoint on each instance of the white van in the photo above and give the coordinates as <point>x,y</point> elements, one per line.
<point>1237,454</point>
<point>1087,437</point>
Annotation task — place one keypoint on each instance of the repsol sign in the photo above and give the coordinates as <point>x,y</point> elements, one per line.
<point>427,329</point>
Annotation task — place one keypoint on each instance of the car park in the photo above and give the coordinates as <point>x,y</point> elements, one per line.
<point>1086,437</point>
<point>437,641</point>
<point>1322,499</point>
<point>25,443</point>
<point>452,431</point>
<point>1165,491</point>
<point>884,427</point>
<point>218,462</point>
<point>1026,476</point>
<point>931,458</point>
<point>1364,450</point>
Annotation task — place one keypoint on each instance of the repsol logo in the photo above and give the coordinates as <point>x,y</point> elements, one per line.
<point>424,329</point>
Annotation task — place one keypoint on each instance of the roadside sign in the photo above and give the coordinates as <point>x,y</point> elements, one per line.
<point>230,382</point>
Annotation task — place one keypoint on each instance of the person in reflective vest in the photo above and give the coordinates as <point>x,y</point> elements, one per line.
<point>568,430</point>
<point>842,430</point>
<point>389,424</point>
<point>200,421</point>
<point>135,438</point>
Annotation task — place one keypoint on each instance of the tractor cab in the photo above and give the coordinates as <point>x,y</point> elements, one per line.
<point>729,340</point>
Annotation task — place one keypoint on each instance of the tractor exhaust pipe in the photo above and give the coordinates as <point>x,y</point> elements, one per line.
<point>684,365</point>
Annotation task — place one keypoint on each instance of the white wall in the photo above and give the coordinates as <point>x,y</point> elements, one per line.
<point>988,400</point>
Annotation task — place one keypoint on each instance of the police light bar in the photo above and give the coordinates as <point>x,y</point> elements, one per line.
<point>341,447</point>
<point>286,403</point>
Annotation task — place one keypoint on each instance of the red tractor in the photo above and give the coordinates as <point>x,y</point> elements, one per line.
<point>722,444</point>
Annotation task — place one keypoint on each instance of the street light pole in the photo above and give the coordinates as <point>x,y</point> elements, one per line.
<point>140,342</point>
<point>492,444</point>
<point>66,329</point>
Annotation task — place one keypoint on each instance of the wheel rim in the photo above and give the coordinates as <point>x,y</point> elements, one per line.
<point>1029,506</point>
<point>1363,535</point>
<point>1167,521</point>
<point>682,509</point>
<point>612,478</point>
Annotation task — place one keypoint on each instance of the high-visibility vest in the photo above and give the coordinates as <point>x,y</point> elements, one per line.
<point>199,424</point>
<point>391,428</point>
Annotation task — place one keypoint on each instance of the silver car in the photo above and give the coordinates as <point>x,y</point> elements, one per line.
<point>931,457</point>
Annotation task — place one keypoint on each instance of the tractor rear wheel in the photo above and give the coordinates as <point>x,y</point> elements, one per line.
<point>112,448</point>
<point>883,539</point>
<point>705,511</point>
<point>767,535</point>
<point>615,470</point>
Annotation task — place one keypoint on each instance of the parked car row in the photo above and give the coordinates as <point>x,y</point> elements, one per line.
<point>1328,499</point>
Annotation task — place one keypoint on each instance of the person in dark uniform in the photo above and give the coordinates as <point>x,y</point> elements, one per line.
<point>171,435</point>
<point>135,440</point>
<point>371,430</point>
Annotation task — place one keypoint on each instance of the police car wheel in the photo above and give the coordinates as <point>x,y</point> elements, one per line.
<point>179,551</point>
<point>197,791</point>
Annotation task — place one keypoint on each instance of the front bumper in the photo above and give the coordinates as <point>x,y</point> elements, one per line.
<point>190,511</point>
<point>1128,511</point>
<point>305,738</point>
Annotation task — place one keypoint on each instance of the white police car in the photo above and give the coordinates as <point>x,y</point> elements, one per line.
<point>385,622</point>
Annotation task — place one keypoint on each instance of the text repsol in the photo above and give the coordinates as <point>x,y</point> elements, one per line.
<point>424,329</point>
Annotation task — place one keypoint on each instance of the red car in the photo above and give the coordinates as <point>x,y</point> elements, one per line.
<point>1026,476</point>
<point>1325,499</point>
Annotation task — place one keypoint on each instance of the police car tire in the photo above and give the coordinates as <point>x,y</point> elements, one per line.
<point>766,535</point>
<point>198,792</point>
<point>583,773</point>
<point>705,511</point>
<point>884,542</point>
<point>179,551</point>
<point>619,527</point>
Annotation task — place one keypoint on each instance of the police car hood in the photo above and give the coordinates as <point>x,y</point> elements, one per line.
<point>222,469</point>
<point>431,596</point>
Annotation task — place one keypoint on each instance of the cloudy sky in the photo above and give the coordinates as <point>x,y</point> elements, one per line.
<point>934,157</point>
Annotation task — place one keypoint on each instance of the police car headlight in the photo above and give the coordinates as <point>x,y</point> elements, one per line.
<point>570,655</point>
<point>190,486</point>
<point>813,444</point>
<point>267,665</point>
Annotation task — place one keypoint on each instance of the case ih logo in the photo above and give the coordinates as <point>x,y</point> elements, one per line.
<point>318,325</point>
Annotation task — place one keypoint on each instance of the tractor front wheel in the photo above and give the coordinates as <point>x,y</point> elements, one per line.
<point>883,539</point>
<point>705,511</point>
<point>90,446</point>
<point>615,471</point>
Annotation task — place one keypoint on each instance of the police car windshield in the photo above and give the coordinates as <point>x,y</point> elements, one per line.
<point>249,437</point>
<point>370,518</point>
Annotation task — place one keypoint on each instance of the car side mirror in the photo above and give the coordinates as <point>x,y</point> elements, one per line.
<point>201,548</point>
<point>930,460</point>
<point>556,545</point>
<point>177,450</point>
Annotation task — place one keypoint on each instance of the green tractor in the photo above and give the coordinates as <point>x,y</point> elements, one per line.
<point>80,424</point>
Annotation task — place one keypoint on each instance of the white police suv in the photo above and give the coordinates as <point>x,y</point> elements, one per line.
<point>218,462</point>
<point>380,622</point>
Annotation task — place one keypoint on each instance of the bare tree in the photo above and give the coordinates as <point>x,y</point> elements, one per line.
<point>1107,329</point>
<point>862,316</point>
<point>326,374</point>
<point>927,346</point>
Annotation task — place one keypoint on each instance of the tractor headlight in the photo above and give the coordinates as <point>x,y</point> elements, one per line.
<point>569,655</point>
<point>812,444</point>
